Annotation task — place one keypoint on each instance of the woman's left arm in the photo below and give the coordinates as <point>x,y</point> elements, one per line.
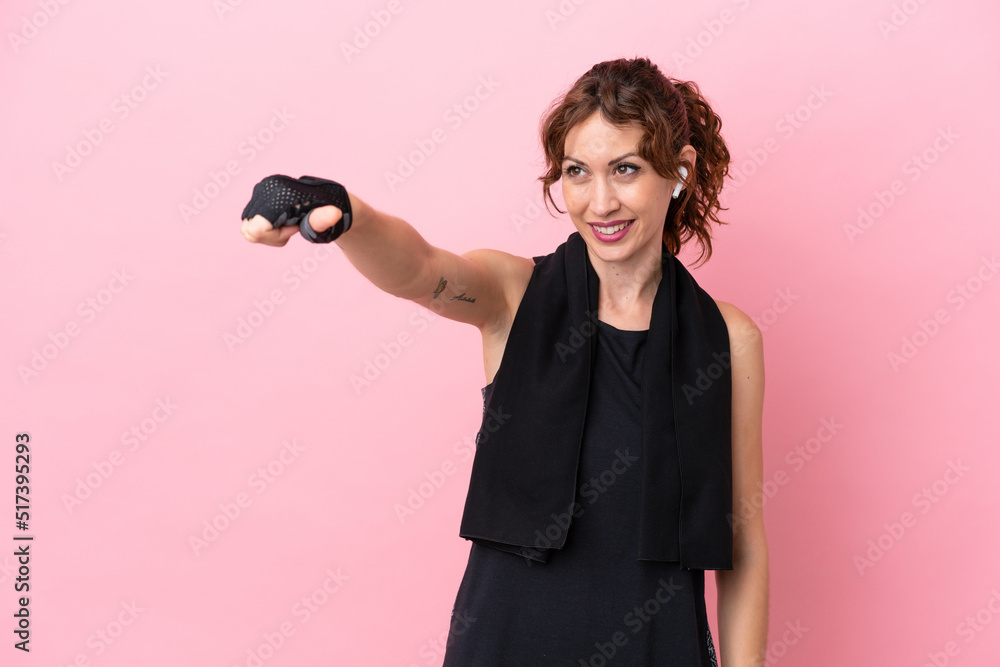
<point>743,591</point>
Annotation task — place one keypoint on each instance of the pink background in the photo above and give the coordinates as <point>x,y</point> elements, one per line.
<point>825,112</point>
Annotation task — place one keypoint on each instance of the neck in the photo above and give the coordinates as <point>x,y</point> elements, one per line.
<point>627,287</point>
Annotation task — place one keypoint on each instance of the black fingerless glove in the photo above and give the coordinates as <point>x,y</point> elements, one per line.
<point>287,201</point>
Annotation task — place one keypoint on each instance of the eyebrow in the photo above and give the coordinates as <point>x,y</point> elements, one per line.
<point>610,164</point>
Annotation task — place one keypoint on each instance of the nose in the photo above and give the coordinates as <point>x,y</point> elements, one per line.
<point>603,198</point>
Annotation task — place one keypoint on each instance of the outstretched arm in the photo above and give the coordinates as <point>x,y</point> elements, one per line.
<point>393,255</point>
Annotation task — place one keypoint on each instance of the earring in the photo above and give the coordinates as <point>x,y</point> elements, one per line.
<point>680,186</point>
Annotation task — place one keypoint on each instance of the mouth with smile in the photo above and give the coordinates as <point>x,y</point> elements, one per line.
<point>611,231</point>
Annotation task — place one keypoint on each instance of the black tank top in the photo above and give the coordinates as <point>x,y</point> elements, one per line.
<point>593,602</point>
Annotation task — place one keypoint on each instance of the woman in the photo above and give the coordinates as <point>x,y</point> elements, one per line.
<point>603,487</point>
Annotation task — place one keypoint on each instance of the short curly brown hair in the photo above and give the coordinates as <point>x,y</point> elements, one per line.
<point>672,114</point>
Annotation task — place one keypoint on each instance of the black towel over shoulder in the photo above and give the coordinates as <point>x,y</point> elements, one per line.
<point>593,603</point>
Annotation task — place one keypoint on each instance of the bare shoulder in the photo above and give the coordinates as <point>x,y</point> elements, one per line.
<point>512,273</point>
<point>745,338</point>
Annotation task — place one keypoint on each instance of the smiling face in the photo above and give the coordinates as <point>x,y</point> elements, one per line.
<point>606,184</point>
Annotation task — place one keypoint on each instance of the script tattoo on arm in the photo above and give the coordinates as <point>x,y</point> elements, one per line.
<point>440,288</point>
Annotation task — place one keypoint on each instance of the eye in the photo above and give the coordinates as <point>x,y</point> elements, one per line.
<point>618,169</point>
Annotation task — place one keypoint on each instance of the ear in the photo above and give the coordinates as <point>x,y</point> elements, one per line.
<point>687,153</point>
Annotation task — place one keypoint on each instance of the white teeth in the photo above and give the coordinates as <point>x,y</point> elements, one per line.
<point>612,230</point>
